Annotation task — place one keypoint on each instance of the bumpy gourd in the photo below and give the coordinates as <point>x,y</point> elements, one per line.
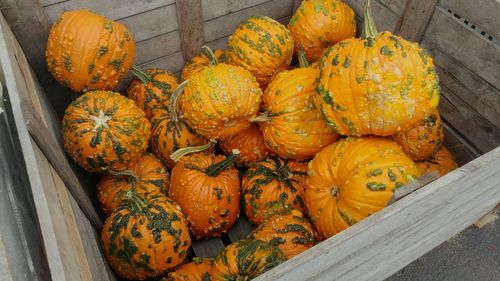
<point>250,144</point>
<point>200,61</point>
<point>442,162</point>
<point>197,270</point>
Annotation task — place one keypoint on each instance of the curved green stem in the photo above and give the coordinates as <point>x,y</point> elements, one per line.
<point>303,62</point>
<point>215,169</point>
<point>126,173</point>
<point>173,107</point>
<point>141,75</point>
<point>212,58</point>
<point>264,117</point>
<point>369,28</point>
<point>135,200</point>
<point>181,152</point>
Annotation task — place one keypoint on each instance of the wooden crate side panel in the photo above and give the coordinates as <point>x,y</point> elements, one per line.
<point>385,242</point>
<point>482,13</point>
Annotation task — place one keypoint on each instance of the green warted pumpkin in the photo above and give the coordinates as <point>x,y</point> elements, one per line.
<point>200,61</point>
<point>262,46</point>
<point>197,270</point>
<point>379,84</point>
<point>86,51</point>
<point>151,89</point>
<point>442,162</point>
<point>273,186</point>
<point>245,260</point>
<point>104,131</point>
<point>145,237</point>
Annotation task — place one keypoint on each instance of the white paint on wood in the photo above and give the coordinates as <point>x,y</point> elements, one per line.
<point>385,242</point>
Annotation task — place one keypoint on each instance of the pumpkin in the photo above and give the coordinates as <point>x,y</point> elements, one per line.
<point>219,101</point>
<point>379,84</point>
<point>245,260</point>
<point>207,189</point>
<point>352,179</point>
<point>261,45</point>
<point>292,233</point>
<point>145,237</point>
<point>319,24</point>
<point>442,162</point>
<point>200,61</point>
<point>104,131</point>
<point>170,132</point>
<point>273,186</point>
<point>147,174</point>
<point>86,51</point>
<point>423,140</point>
<point>292,126</point>
<point>197,270</point>
<point>250,144</point>
<point>151,89</point>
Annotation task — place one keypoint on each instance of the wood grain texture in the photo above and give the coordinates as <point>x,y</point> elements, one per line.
<point>208,247</point>
<point>458,146</point>
<point>190,18</point>
<point>218,8</point>
<point>415,19</point>
<point>482,13</point>
<point>385,242</point>
<point>241,229</point>
<point>413,186</point>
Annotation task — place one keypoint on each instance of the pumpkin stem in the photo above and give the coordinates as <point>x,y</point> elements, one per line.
<point>141,75</point>
<point>215,169</point>
<point>369,28</point>
<point>303,62</point>
<point>173,107</point>
<point>181,152</point>
<point>264,117</point>
<point>135,200</point>
<point>130,175</point>
<point>212,58</point>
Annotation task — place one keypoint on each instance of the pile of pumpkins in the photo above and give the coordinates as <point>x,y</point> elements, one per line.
<point>307,150</point>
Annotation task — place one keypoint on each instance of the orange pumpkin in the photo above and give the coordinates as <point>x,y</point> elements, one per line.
<point>245,260</point>
<point>197,270</point>
<point>319,24</point>
<point>86,51</point>
<point>197,63</point>
<point>352,179</point>
<point>273,186</point>
<point>105,131</point>
<point>207,189</point>
<point>151,89</point>
<point>292,126</point>
<point>261,45</point>
<point>423,140</point>
<point>147,174</point>
<point>219,101</point>
<point>291,233</point>
<point>379,84</point>
<point>250,144</point>
<point>145,237</point>
<point>442,162</point>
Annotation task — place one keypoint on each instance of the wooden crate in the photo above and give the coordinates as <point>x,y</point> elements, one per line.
<point>463,39</point>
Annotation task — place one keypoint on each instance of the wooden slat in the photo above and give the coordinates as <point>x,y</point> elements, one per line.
<point>482,13</point>
<point>413,186</point>
<point>457,146</point>
<point>241,229</point>
<point>415,18</point>
<point>385,19</point>
<point>208,247</point>
<point>152,23</point>
<point>385,242</point>
<point>296,5</point>
<point>156,47</point>
<point>172,63</point>
<point>51,2</point>
<point>217,8</point>
<point>190,20</point>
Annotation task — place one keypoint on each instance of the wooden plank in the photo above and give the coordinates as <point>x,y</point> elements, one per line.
<point>458,146</point>
<point>413,186</point>
<point>172,63</point>
<point>157,47</point>
<point>415,18</point>
<point>385,19</point>
<point>190,19</point>
<point>208,247</point>
<point>152,23</point>
<point>385,242</point>
<point>241,229</point>
<point>218,8</point>
<point>295,5</point>
<point>482,13</point>
<point>51,2</point>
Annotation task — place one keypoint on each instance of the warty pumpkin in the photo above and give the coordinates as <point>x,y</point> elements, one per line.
<point>442,162</point>
<point>86,51</point>
<point>319,24</point>
<point>423,140</point>
<point>197,270</point>
<point>202,60</point>
<point>219,101</point>
<point>352,179</point>
<point>206,187</point>
<point>273,186</point>
<point>250,144</point>
<point>292,233</point>
<point>147,174</point>
<point>262,46</point>
<point>105,131</point>
<point>145,237</point>
<point>245,260</point>
<point>379,84</point>
<point>151,89</point>
<point>291,124</point>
